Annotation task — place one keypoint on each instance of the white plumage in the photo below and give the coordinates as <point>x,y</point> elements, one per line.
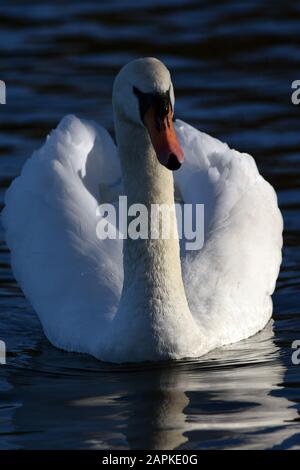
<point>74,280</point>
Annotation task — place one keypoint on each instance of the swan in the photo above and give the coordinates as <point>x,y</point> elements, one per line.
<point>140,299</point>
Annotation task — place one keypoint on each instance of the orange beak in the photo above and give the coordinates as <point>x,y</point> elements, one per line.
<point>164,138</point>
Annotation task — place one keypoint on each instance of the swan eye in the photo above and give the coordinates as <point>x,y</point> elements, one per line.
<point>161,102</point>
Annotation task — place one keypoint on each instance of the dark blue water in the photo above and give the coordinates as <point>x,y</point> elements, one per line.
<point>232,64</point>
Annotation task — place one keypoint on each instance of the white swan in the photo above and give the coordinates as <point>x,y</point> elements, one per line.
<point>166,307</point>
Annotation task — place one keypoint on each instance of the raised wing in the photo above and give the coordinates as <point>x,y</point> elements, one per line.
<point>230,280</point>
<point>72,279</point>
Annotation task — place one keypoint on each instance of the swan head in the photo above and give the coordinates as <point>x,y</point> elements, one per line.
<point>143,94</point>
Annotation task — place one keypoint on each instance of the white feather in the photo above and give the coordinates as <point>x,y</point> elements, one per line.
<point>74,280</point>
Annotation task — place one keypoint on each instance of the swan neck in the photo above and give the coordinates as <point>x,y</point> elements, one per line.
<point>153,304</point>
<point>151,264</point>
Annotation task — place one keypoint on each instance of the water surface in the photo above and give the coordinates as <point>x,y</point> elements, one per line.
<point>232,66</point>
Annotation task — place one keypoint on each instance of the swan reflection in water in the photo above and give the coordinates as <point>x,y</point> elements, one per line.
<point>233,398</point>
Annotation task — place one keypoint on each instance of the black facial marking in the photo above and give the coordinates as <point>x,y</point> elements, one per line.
<point>160,101</point>
<point>145,101</point>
